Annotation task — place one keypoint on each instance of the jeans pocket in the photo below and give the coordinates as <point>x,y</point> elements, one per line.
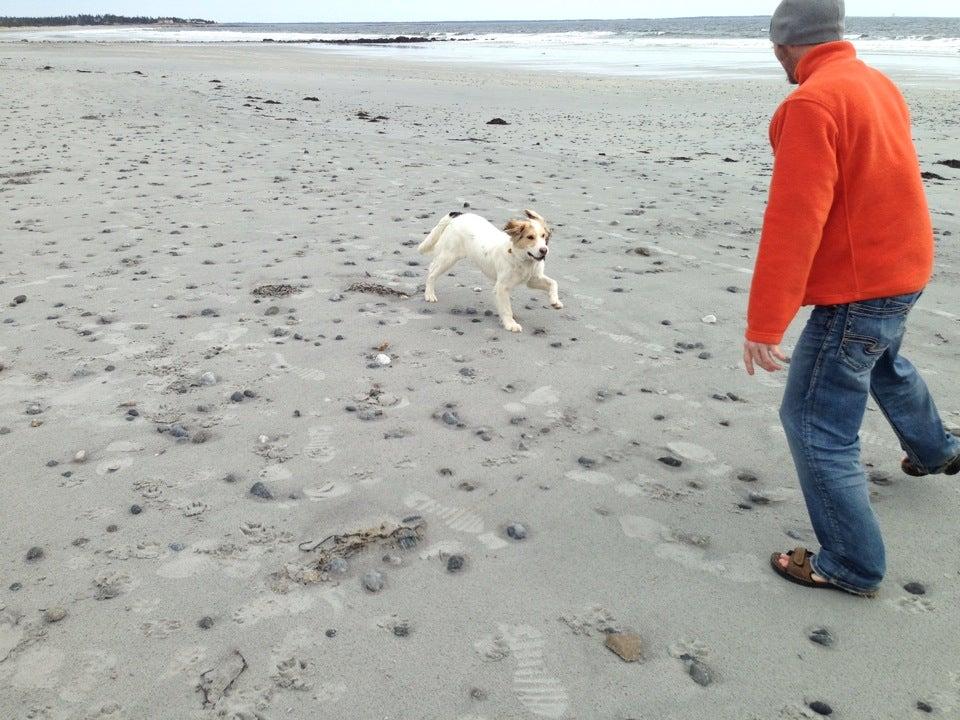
<point>867,336</point>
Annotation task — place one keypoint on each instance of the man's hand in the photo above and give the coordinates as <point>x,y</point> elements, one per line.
<point>765,356</point>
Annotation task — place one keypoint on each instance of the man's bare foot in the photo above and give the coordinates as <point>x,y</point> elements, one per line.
<point>784,560</point>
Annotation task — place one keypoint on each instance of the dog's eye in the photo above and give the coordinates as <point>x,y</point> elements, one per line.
<point>530,237</point>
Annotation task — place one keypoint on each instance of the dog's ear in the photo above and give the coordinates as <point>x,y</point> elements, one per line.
<point>534,215</point>
<point>514,228</point>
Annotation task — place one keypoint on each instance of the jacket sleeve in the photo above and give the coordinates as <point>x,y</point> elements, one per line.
<point>805,174</point>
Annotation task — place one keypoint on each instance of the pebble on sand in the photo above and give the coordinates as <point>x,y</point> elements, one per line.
<point>34,554</point>
<point>260,490</point>
<point>516,531</point>
<point>822,636</point>
<point>627,645</point>
<point>698,670</point>
<point>915,588</point>
<point>821,708</point>
<point>54,614</point>
<point>373,581</point>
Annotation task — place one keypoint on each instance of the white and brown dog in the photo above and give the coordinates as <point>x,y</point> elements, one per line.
<point>510,257</point>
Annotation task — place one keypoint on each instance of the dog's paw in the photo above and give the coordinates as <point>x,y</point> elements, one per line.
<point>557,305</point>
<point>430,297</point>
<point>513,326</point>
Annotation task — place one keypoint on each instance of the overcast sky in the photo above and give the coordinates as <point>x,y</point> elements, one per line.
<point>384,10</point>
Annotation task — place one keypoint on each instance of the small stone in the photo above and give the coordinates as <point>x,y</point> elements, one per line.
<point>336,566</point>
<point>135,509</point>
<point>915,588</point>
<point>627,645</point>
<point>179,431</point>
<point>455,563</point>
<point>758,498</point>
<point>200,437</point>
<point>383,359</point>
<point>670,461</point>
<point>587,462</point>
<point>249,394</point>
<point>331,633</point>
<point>924,706</point>
<point>450,418</point>
<point>698,670</point>
<point>821,708</point>
<point>710,319</point>
<point>54,614</point>
<point>205,623</point>
<point>516,531</point>
<point>208,378</point>
<point>477,694</point>
<point>33,409</point>
<point>80,456</point>
<point>373,581</point>
<point>34,554</point>
<point>261,491</point>
<point>822,636</point>
<point>401,629</point>
<point>112,528</point>
<point>237,397</point>
<point>177,547</point>
<point>747,477</point>
<point>19,299</point>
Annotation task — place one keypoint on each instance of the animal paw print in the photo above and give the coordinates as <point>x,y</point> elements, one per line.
<point>915,605</point>
<point>194,509</point>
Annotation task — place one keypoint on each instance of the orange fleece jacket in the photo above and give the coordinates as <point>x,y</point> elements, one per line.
<point>847,216</point>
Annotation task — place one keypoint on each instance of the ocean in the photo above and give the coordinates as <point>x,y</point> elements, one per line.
<point>705,46</point>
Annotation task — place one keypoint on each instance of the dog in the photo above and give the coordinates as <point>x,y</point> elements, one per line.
<point>510,257</point>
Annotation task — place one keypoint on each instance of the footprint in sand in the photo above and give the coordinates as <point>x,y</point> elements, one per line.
<point>691,452</point>
<point>538,691</point>
<point>113,465</point>
<point>458,519</point>
<point>542,396</point>
<point>327,491</point>
<point>273,606</point>
<point>669,545</point>
<point>590,477</point>
<point>95,669</point>
<point>319,447</point>
<point>38,668</point>
<point>914,605</point>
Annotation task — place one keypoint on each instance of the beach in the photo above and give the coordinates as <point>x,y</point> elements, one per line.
<point>250,473</point>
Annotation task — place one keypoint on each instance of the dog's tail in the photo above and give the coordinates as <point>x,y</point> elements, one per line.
<point>427,246</point>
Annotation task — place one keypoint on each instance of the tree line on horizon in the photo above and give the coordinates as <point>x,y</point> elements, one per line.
<point>97,20</point>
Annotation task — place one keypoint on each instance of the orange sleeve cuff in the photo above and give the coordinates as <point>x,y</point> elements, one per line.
<point>765,338</point>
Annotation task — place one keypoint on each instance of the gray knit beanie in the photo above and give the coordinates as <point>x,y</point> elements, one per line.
<point>807,22</point>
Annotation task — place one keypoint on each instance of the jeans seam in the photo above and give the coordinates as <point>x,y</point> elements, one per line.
<point>903,443</point>
<point>804,414</point>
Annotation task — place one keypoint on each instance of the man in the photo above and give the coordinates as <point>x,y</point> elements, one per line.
<point>847,230</point>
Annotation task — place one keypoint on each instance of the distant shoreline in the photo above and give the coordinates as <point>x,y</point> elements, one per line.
<point>95,21</point>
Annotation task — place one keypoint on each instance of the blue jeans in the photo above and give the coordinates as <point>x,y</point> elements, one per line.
<point>847,352</point>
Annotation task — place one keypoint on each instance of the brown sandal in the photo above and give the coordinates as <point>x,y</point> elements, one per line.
<point>800,571</point>
<point>951,468</point>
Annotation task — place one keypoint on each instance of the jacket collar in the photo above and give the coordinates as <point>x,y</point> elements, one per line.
<point>823,54</point>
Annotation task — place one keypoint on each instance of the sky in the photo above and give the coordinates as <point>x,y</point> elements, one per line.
<point>393,10</point>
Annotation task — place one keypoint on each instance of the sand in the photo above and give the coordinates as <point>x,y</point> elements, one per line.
<point>151,195</point>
